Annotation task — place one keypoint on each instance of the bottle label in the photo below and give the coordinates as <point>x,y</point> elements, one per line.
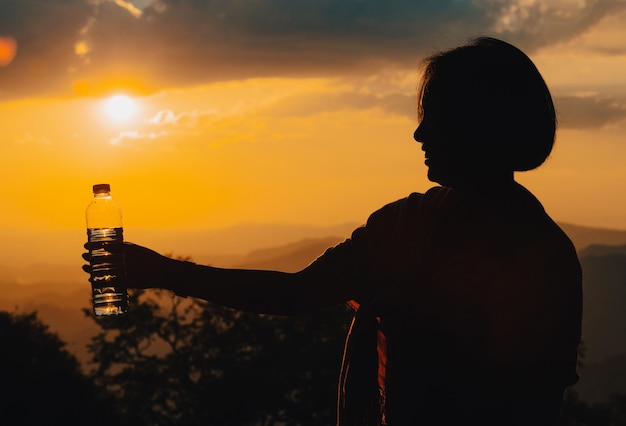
<point>110,235</point>
<point>108,276</point>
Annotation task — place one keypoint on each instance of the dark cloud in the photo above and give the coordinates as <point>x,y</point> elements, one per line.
<point>179,42</point>
<point>574,112</point>
<point>45,32</point>
<point>586,112</point>
<point>535,24</point>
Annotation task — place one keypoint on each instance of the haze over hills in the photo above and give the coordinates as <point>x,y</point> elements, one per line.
<point>289,258</point>
<point>23,248</point>
<point>584,236</point>
<point>59,292</point>
<point>604,322</point>
<point>29,256</point>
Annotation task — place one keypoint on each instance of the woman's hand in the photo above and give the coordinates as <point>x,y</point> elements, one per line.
<point>145,268</point>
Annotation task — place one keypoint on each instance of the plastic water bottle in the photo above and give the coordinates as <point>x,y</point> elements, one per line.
<point>105,235</point>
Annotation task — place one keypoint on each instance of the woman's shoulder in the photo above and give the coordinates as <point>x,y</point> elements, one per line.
<point>410,204</point>
<point>405,215</point>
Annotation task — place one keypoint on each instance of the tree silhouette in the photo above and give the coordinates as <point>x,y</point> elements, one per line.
<point>185,361</point>
<point>576,412</point>
<point>176,361</point>
<point>41,381</point>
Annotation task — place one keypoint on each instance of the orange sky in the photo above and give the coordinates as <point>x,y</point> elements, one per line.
<point>324,146</point>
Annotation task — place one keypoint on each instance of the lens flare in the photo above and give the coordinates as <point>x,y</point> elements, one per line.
<point>8,50</point>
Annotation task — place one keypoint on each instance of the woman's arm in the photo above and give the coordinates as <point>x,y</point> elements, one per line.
<point>332,279</point>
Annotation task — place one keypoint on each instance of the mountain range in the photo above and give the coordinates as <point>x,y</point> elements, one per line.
<point>59,292</point>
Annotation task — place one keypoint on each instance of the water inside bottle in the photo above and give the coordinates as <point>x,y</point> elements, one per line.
<point>108,279</point>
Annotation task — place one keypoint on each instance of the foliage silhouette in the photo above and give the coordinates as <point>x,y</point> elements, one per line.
<point>576,412</point>
<point>174,361</point>
<point>41,381</point>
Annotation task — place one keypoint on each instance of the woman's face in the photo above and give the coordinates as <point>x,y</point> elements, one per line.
<point>457,147</point>
<point>445,146</point>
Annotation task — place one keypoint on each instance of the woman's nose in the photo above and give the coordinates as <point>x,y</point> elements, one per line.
<point>418,135</point>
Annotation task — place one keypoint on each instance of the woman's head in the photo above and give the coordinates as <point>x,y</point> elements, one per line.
<point>486,103</point>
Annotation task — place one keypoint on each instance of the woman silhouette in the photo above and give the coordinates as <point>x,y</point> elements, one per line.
<point>468,297</point>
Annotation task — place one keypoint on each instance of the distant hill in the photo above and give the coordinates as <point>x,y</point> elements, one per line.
<point>599,380</point>
<point>595,250</point>
<point>584,236</point>
<point>228,243</point>
<point>23,248</point>
<point>288,258</point>
<point>604,301</point>
<point>239,245</point>
<point>36,277</point>
<point>59,291</point>
<point>604,322</point>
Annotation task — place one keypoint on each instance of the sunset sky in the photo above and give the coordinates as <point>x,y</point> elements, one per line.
<point>289,111</point>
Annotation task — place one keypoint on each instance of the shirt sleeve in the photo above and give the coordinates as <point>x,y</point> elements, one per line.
<point>363,262</point>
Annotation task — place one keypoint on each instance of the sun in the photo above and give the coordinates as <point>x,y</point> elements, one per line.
<point>120,108</point>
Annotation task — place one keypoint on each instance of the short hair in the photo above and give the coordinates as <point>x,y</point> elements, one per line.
<point>495,93</point>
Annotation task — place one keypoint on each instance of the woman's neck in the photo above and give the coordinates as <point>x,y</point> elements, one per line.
<point>485,183</point>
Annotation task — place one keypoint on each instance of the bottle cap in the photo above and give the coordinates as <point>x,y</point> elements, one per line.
<point>101,188</point>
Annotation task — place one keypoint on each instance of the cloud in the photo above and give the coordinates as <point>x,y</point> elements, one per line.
<point>135,135</point>
<point>591,111</point>
<point>315,103</point>
<point>44,33</point>
<point>183,42</point>
<point>574,112</point>
<point>165,123</point>
<point>167,117</point>
<point>129,7</point>
<point>163,117</point>
<point>536,23</point>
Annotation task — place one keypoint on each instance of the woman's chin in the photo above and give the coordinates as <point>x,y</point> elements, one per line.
<point>443,179</point>
<point>435,177</point>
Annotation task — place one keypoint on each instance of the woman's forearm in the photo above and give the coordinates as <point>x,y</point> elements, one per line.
<point>261,291</point>
<point>331,279</point>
